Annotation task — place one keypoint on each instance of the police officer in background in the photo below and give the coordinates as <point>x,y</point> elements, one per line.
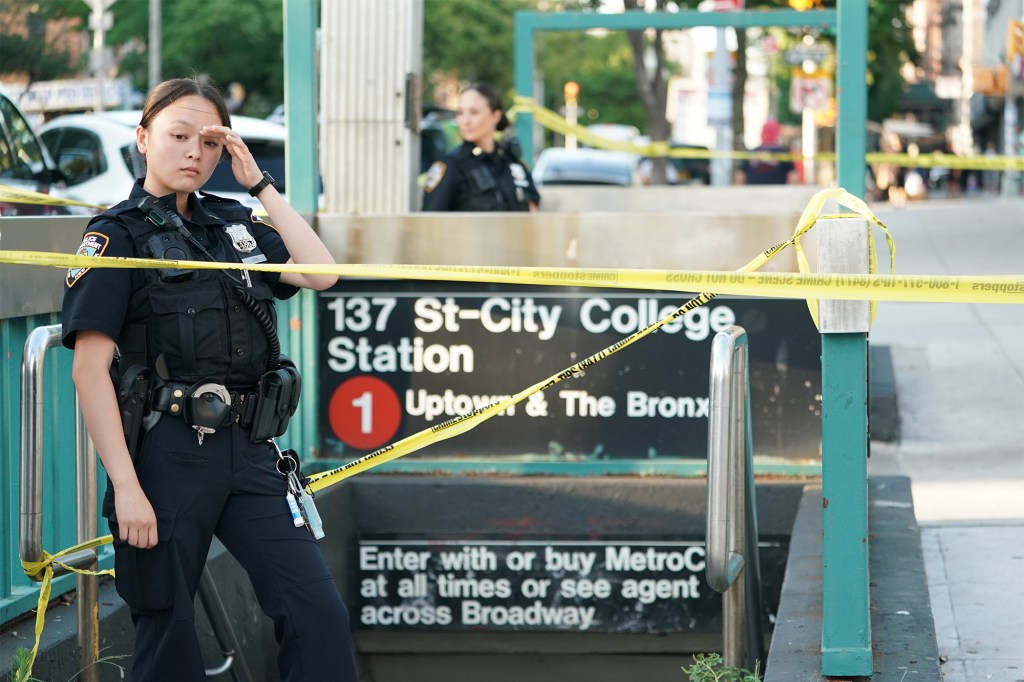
<point>767,171</point>
<point>482,174</point>
<point>184,417</point>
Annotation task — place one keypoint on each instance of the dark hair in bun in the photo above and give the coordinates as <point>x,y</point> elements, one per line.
<point>493,100</point>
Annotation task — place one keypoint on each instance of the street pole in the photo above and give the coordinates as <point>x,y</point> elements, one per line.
<point>99,22</point>
<point>720,112</point>
<point>98,60</point>
<point>155,24</point>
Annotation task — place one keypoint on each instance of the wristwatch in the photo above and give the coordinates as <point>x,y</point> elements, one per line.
<point>258,187</point>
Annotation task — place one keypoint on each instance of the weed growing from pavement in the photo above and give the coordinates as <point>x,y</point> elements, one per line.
<point>21,672</point>
<point>712,668</point>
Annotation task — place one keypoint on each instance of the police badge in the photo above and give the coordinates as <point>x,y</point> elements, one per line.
<point>240,238</point>
<point>519,175</point>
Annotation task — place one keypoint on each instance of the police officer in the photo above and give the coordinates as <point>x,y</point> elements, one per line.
<point>482,174</point>
<point>204,341</point>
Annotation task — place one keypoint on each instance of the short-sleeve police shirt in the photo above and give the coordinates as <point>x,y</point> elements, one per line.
<point>103,300</point>
<point>450,184</point>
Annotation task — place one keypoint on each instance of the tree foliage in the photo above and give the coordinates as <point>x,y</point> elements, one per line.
<point>29,53</point>
<point>466,41</point>
<point>469,40</point>
<point>225,40</point>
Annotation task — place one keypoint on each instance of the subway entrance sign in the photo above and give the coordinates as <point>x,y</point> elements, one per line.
<point>638,586</point>
<point>399,357</point>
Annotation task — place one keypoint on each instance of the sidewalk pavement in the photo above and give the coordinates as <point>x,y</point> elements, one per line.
<point>959,371</point>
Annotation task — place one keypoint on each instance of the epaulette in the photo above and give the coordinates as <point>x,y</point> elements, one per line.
<point>215,197</point>
<point>463,151</point>
<point>118,213</point>
<point>231,209</point>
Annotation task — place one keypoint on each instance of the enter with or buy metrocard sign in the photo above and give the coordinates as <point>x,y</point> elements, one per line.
<point>398,357</point>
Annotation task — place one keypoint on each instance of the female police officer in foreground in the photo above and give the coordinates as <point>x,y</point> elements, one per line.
<point>198,394</point>
<point>482,174</point>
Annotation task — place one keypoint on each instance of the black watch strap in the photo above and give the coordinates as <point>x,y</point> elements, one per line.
<point>258,187</point>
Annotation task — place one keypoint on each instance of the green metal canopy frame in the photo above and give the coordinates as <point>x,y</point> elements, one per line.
<point>846,622</point>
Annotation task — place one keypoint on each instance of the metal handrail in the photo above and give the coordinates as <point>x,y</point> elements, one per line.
<point>38,342</point>
<point>732,507</point>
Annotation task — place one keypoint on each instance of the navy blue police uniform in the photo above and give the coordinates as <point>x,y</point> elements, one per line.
<point>190,326</point>
<point>470,179</point>
<point>767,171</point>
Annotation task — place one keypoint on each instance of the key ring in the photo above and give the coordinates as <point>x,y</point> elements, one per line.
<point>286,464</point>
<point>289,461</point>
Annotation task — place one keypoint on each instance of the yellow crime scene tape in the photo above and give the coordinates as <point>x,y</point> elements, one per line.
<point>557,123</point>
<point>43,571</point>
<point>744,281</point>
<point>13,195</point>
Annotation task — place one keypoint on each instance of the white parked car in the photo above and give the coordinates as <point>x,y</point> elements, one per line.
<point>26,165</point>
<point>97,154</point>
<point>560,166</point>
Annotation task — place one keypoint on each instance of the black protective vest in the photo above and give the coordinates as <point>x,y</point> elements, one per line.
<point>485,187</point>
<point>200,326</point>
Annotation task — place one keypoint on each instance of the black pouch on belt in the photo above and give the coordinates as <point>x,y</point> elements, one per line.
<point>278,398</point>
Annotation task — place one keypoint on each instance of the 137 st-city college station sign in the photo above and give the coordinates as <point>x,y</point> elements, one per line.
<point>400,357</point>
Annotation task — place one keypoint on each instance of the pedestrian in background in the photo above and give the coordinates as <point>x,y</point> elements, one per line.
<point>767,171</point>
<point>185,429</point>
<point>482,174</point>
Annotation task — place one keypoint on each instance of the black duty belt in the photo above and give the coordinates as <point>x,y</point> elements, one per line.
<point>170,398</point>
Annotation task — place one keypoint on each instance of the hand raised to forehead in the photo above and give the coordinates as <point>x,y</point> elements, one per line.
<point>243,165</point>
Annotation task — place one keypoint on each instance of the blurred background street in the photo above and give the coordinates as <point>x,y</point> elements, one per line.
<point>959,372</point>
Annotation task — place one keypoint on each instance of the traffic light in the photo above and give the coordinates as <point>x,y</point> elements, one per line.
<point>1015,40</point>
<point>571,92</point>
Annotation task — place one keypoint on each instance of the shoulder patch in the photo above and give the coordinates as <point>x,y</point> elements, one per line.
<point>434,176</point>
<point>93,244</point>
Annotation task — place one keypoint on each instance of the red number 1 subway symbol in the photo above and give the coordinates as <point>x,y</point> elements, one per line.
<point>364,412</point>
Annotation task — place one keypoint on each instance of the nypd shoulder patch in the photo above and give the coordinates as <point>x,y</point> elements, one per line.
<point>434,175</point>
<point>93,244</point>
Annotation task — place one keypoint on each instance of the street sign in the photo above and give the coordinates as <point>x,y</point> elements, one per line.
<point>809,92</point>
<point>816,52</point>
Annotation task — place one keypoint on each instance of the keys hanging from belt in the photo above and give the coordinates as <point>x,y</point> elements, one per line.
<point>300,503</point>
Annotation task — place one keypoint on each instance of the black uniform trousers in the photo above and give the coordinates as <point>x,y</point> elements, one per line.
<point>228,487</point>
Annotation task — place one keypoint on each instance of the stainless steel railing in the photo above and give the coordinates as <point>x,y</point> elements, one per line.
<point>40,340</point>
<point>733,564</point>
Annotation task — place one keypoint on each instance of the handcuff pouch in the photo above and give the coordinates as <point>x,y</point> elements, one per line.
<point>208,407</point>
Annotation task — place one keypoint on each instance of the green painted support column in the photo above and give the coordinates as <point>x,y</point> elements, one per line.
<point>851,94</point>
<point>297,323</point>
<point>301,164</point>
<point>523,80</point>
<point>846,620</point>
